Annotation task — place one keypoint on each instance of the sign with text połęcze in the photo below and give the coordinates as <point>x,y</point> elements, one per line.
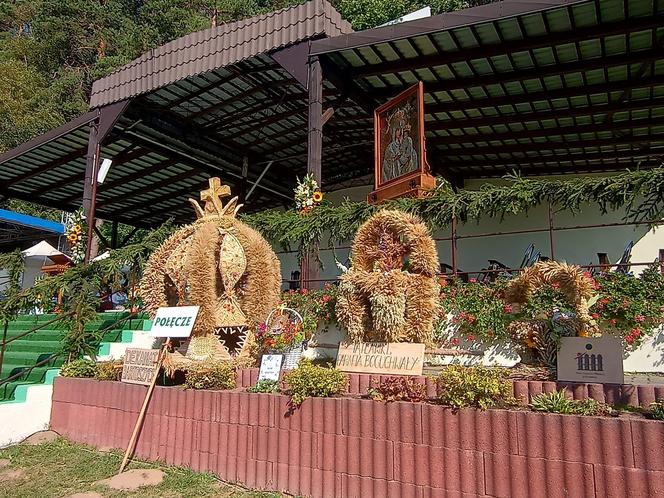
<point>139,366</point>
<point>591,359</point>
<point>381,358</point>
<point>177,321</point>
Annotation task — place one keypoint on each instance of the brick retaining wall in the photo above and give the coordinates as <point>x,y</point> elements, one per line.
<point>344,447</point>
<point>524,390</point>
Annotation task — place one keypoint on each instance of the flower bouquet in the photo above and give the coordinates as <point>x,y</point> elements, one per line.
<point>75,237</point>
<point>283,332</point>
<point>307,194</point>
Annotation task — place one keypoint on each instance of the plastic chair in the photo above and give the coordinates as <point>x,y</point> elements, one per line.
<point>623,264</point>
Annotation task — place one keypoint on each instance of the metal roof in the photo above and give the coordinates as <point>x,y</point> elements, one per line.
<point>16,228</point>
<point>218,47</point>
<point>539,86</point>
<point>191,115</point>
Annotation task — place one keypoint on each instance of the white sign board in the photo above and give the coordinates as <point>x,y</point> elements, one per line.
<point>174,322</point>
<point>270,367</point>
<point>591,359</point>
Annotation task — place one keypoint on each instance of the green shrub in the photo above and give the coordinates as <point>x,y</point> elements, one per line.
<point>657,409</point>
<point>558,402</point>
<point>311,381</point>
<point>211,375</point>
<point>265,386</point>
<point>398,389</point>
<point>479,387</point>
<point>555,402</point>
<point>108,370</point>
<point>79,368</point>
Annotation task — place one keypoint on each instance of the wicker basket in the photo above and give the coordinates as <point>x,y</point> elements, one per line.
<point>293,354</point>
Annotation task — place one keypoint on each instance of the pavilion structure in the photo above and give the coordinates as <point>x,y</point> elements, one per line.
<point>541,87</point>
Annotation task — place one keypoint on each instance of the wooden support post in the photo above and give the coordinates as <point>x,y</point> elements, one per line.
<point>551,244</point>
<point>99,130</point>
<point>455,264</point>
<point>114,235</point>
<point>144,408</point>
<point>242,194</point>
<point>310,270</point>
<point>90,187</point>
<point>315,129</point>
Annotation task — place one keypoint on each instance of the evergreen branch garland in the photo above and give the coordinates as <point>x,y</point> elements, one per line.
<point>641,193</point>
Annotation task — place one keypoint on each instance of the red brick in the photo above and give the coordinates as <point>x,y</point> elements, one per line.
<point>520,390</point>
<point>648,436</point>
<point>512,476</point>
<point>403,490</point>
<point>596,392</point>
<point>234,408</point>
<point>281,476</point>
<point>492,430</point>
<point>451,469</point>
<point>629,395</point>
<point>363,487</point>
<point>619,482</point>
<point>646,395</point>
<point>353,384</point>
<point>575,439</point>
<point>404,421</point>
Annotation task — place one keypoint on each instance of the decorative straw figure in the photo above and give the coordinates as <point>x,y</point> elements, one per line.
<point>390,292</point>
<point>221,265</point>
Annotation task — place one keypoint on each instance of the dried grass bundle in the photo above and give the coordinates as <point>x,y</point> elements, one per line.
<point>379,300</point>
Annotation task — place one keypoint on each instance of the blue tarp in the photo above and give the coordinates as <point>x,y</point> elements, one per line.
<point>31,221</point>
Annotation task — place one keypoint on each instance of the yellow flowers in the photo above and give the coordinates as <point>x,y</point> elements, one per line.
<point>318,196</point>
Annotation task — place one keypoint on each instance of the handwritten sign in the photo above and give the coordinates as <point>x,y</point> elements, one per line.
<point>381,358</point>
<point>596,359</point>
<point>177,321</point>
<point>139,365</point>
<point>270,367</point>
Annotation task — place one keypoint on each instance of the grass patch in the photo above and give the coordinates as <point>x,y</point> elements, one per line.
<point>60,468</point>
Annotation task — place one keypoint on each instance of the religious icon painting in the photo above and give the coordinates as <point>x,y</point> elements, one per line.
<point>399,137</point>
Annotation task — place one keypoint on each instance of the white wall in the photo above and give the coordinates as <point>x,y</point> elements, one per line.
<point>574,246</point>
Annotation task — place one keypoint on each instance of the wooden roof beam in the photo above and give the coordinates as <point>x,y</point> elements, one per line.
<point>550,146</point>
<point>628,124</point>
<point>592,110</point>
<point>533,73</point>
<point>544,95</point>
<point>555,159</point>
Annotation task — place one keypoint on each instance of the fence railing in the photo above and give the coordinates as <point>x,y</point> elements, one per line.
<point>27,370</point>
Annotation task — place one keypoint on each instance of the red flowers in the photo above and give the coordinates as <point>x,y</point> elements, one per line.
<point>633,335</point>
<point>508,308</point>
<point>455,341</point>
<point>595,316</point>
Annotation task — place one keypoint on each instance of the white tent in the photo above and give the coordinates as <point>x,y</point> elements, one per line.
<point>42,250</point>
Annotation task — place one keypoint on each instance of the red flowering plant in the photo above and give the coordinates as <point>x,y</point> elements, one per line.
<point>281,331</point>
<point>315,305</point>
<point>476,310</point>
<point>630,307</point>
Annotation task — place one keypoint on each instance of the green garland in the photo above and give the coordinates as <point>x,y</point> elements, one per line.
<point>641,193</point>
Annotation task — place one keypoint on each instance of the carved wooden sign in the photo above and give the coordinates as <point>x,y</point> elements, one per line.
<point>139,365</point>
<point>381,358</point>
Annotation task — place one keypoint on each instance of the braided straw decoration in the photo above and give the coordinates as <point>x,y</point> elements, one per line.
<point>377,300</point>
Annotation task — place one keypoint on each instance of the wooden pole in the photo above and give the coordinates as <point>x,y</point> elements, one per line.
<point>141,415</point>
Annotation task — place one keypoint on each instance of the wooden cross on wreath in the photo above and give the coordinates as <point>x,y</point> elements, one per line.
<point>213,195</point>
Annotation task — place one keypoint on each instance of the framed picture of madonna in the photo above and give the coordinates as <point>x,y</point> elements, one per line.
<point>399,137</point>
